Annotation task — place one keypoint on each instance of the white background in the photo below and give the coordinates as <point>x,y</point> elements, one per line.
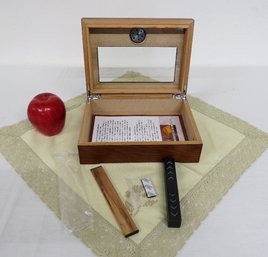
<point>41,50</point>
<point>227,32</point>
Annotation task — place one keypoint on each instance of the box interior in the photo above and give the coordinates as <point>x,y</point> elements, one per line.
<point>136,107</point>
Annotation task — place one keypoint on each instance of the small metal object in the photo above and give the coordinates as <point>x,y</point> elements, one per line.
<point>181,96</point>
<point>93,96</point>
<point>148,187</point>
<point>137,35</point>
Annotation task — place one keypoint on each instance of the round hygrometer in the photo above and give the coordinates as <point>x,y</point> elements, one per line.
<point>137,35</point>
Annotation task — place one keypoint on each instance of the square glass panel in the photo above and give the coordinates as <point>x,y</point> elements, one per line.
<point>136,64</point>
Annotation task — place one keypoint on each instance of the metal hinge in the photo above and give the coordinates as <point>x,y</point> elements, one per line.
<point>180,96</point>
<point>93,96</point>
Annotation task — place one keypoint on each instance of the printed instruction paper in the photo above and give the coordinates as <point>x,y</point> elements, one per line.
<point>137,129</point>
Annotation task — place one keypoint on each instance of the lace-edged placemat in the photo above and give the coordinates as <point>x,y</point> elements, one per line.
<point>202,185</point>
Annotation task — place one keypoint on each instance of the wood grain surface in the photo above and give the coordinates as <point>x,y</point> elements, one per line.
<point>117,207</point>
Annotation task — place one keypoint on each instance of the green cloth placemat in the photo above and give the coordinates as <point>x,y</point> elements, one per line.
<point>49,165</point>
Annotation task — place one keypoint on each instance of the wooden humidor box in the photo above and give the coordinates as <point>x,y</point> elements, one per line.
<point>125,44</point>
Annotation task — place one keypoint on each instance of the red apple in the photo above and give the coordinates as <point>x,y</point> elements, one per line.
<point>47,113</point>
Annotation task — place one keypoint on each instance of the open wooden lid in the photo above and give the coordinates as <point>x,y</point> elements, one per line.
<point>137,56</point>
